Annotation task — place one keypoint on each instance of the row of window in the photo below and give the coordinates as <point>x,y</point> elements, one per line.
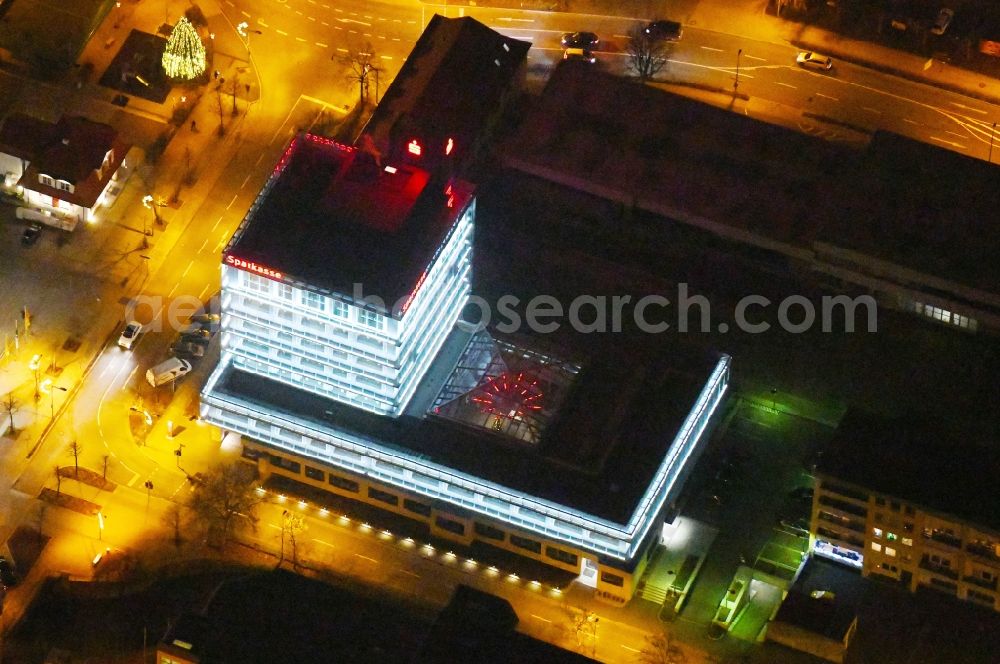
<point>945,316</point>
<point>61,185</point>
<point>258,284</point>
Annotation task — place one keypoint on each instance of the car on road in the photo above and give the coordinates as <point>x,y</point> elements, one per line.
<point>8,577</point>
<point>31,234</point>
<point>197,336</point>
<point>587,40</point>
<point>581,54</point>
<point>167,371</point>
<point>942,21</point>
<point>664,31</point>
<point>825,595</point>
<point>188,349</point>
<point>130,335</point>
<point>810,60</point>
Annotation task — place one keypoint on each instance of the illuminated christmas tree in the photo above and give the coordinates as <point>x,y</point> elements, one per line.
<point>184,56</point>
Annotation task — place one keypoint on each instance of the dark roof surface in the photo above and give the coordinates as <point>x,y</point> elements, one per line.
<point>451,83</point>
<point>334,218</point>
<point>918,461</point>
<point>908,203</point>
<point>582,461</point>
<point>826,618</point>
<point>24,136</point>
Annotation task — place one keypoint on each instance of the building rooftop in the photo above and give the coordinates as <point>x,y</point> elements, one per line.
<point>455,59</point>
<point>830,619</point>
<point>917,461</point>
<point>598,453</point>
<point>908,203</point>
<point>332,217</point>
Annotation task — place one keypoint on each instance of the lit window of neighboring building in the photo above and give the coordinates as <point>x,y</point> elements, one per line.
<point>46,180</point>
<point>314,300</point>
<point>907,541</point>
<point>62,185</point>
<point>876,546</point>
<point>370,319</point>
<point>889,551</point>
<point>891,537</point>
<point>877,532</point>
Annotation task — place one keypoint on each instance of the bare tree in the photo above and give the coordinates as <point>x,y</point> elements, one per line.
<point>75,449</point>
<point>362,65</point>
<point>10,405</point>
<point>659,649</point>
<point>293,524</point>
<point>224,498</point>
<point>105,459</point>
<point>646,55</point>
<point>58,481</point>
<point>174,518</point>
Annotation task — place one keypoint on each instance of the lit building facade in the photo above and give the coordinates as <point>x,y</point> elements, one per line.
<point>392,405</point>
<point>878,531</point>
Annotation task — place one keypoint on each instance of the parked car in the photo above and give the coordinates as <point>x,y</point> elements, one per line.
<point>188,349</point>
<point>197,336</point>
<point>826,595</point>
<point>8,577</point>
<point>586,40</point>
<point>664,30</point>
<point>31,234</point>
<point>130,335</point>
<point>192,328</point>
<point>942,21</point>
<point>810,60</point>
<point>167,371</point>
<point>579,54</point>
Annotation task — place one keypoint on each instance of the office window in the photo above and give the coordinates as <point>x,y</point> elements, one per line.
<point>877,532</point>
<point>342,483</point>
<point>383,496</point>
<point>907,541</point>
<point>613,579</point>
<point>561,556</point>
<point>256,283</point>
<point>525,543</point>
<point>889,551</point>
<point>315,473</point>
<point>339,309</point>
<point>876,546</point>
<point>416,508</point>
<point>285,291</point>
<point>450,525</point>
<point>488,531</point>
<point>281,462</point>
<point>371,319</point>
<point>891,537</point>
<point>314,300</point>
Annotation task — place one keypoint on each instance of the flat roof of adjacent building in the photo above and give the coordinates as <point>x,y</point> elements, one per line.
<point>917,461</point>
<point>332,217</point>
<point>598,454</point>
<point>905,202</point>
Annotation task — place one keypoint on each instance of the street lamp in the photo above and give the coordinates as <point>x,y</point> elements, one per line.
<point>35,362</point>
<point>100,526</point>
<point>152,204</point>
<point>149,489</point>
<point>48,388</point>
<point>736,82</point>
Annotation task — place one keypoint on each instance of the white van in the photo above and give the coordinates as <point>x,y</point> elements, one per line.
<point>166,371</point>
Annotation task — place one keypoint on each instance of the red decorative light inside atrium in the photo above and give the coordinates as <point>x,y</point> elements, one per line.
<point>509,395</point>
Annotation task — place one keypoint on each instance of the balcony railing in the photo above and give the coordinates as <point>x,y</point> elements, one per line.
<point>937,568</point>
<point>981,582</point>
<point>944,538</point>
<point>989,552</point>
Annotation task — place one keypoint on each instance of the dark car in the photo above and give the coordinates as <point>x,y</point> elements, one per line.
<point>31,234</point>
<point>587,40</point>
<point>664,30</point>
<point>7,575</point>
<point>197,336</point>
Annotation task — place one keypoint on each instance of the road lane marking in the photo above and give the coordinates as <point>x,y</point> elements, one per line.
<point>202,248</point>
<point>968,108</point>
<point>173,290</point>
<point>912,122</point>
<point>325,23</point>
<point>787,85</point>
<point>386,57</point>
<point>354,20</point>
<point>954,134</point>
<point>300,39</point>
<point>519,20</point>
<point>132,481</point>
<point>262,24</point>
<point>201,295</point>
<point>322,45</point>
<point>342,50</point>
<point>535,615</point>
<point>947,142</point>
<point>627,648</point>
<point>820,94</point>
<point>413,574</point>
<point>244,13</point>
<point>709,48</point>
<point>621,36</point>
<point>323,542</point>
<point>312,18</point>
<point>187,269</point>
<point>366,558</point>
<point>214,226</point>
<point>298,12</point>
<point>871,110</point>
<point>754,57</point>
<point>282,33</point>
<point>245,180</point>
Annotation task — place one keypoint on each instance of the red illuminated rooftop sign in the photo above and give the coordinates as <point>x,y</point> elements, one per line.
<point>250,266</point>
